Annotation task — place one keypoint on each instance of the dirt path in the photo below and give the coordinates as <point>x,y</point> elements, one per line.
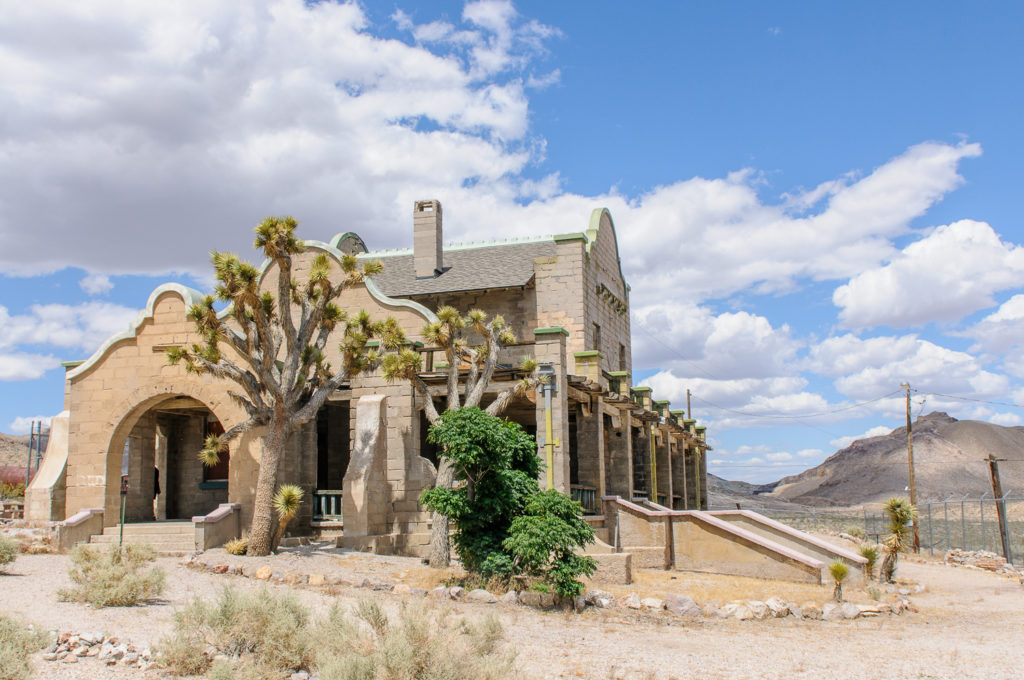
<point>970,625</point>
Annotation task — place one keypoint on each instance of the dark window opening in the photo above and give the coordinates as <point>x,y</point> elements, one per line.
<point>574,454</point>
<point>597,337</point>
<point>622,357</point>
<point>332,445</point>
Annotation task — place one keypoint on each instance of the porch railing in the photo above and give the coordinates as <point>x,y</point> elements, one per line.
<point>327,504</point>
<point>587,497</point>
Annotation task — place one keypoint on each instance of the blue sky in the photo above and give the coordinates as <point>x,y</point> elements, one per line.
<point>814,202</point>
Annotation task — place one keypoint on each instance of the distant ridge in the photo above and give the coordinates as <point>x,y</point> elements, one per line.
<point>949,461</point>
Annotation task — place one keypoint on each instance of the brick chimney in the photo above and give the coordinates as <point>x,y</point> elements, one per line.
<point>427,239</point>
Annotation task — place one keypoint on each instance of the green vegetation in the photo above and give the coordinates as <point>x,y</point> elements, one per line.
<point>839,570</point>
<point>901,514</point>
<point>870,553</point>
<point>237,546</point>
<point>504,525</point>
<point>286,504</point>
<point>114,577</point>
<point>12,490</point>
<point>17,642</point>
<point>9,550</point>
<point>266,634</point>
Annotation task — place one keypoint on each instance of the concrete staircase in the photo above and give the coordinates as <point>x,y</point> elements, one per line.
<point>167,538</point>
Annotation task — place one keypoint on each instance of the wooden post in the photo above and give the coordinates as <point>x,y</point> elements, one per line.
<point>688,416</point>
<point>910,465</point>
<point>997,490</point>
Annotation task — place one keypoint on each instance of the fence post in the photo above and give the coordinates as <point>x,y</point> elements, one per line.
<point>945,521</point>
<point>931,539</point>
<point>963,524</point>
<point>981,504</point>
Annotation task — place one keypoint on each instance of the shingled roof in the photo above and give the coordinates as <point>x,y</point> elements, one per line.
<point>507,265</point>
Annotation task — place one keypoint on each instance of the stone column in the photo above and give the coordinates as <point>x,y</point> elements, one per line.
<point>550,347</point>
<point>366,488</point>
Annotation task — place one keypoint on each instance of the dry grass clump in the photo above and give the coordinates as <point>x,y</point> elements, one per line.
<point>114,577</point>
<point>16,644</point>
<point>264,634</point>
<point>9,550</point>
<point>237,546</point>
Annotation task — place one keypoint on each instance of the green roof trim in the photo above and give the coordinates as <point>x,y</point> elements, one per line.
<point>72,364</point>
<point>578,236</point>
<point>619,374</point>
<point>678,412</point>
<point>701,428</point>
<point>689,421</point>
<point>588,354</point>
<point>373,343</point>
<point>641,389</point>
<point>661,402</point>
<point>551,331</point>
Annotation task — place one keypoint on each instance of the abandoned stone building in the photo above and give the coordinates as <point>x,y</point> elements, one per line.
<point>364,460</point>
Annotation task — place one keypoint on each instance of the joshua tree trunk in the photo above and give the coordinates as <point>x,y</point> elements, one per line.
<point>261,533</point>
<point>837,592</point>
<point>440,548</point>
<point>888,570</point>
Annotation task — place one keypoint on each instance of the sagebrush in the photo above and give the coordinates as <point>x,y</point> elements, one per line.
<point>113,577</point>
<point>264,634</point>
<point>9,550</point>
<point>17,642</point>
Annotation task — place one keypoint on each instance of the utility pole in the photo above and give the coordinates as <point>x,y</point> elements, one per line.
<point>997,490</point>
<point>688,416</point>
<point>910,466</point>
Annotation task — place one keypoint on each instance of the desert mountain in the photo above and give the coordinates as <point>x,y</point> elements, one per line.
<point>13,449</point>
<point>949,461</point>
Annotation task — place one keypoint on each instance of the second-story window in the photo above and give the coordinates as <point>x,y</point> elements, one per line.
<point>622,357</point>
<point>597,337</point>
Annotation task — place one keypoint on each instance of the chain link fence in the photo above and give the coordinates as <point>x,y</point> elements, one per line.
<point>965,523</point>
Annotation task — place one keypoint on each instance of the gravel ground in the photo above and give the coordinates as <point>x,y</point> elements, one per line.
<point>969,626</point>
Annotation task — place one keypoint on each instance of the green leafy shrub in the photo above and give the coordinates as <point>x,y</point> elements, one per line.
<point>17,642</point>
<point>12,490</point>
<point>839,570</point>
<point>287,502</point>
<point>856,531</point>
<point>114,577</point>
<point>264,634</point>
<point>504,525</point>
<point>237,546</point>
<point>870,553</point>
<point>9,550</point>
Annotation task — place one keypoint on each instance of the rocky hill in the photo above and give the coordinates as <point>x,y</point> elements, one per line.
<point>13,449</point>
<point>949,460</point>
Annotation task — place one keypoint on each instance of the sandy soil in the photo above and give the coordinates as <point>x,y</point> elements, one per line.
<point>969,625</point>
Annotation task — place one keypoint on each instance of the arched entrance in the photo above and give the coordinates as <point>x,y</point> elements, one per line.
<point>159,457</point>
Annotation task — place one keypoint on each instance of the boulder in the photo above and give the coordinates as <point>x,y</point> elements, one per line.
<point>760,609</point>
<point>511,597</point>
<point>220,569</point>
<point>264,572</point>
<point>457,592</point>
<point>682,605</point>
<point>653,603</point>
<point>795,610</point>
<point>778,608</point>
<point>440,593</point>
<point>631,601</point>
<point>830,611</point>
<point>811,610</point>
<point>482,596</point>
<point>850,610</point>
<point>402,589</point>
<point>738,610</point>
<point>317,579</point>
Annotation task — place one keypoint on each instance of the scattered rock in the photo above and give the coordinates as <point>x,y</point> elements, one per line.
<point>811,610</point>
<point>795,610</point>
<point>457,592</point>
<point>402,589</point>
<point>70,658</point>
<point>682,605</point>
<point>481,595</point>
<point>419,592</point>
<point>530,598</point>
<point>850,610</point>
<point>299,675</point>
<point>316,580</point>
<point>511,597</point>
<point>738,610</point>
<point>830,611</point>
<point>653,603</point>
<point>778,608</point>
<point>264,572</point>
<point>440,593</point>
<point>631,601</point>
<point>760,609</point>
<point>50,656</point>
<point>220,569</point>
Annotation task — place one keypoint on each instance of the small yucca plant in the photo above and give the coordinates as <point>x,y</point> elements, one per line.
<point>901,514</point>
<point>839,571</point>
<point>870,553</point>
<point>237,546</point>
<point>286,504</point>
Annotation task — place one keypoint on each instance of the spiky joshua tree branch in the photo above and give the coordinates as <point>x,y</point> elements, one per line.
<point>271,345</point>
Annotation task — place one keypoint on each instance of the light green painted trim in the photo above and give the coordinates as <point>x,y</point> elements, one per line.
<point>551,331</point>
<point>678,412</point>
<point>689,421</point>
<point>468,245</point>
<point>338,238</point>
<point>72,364</point>
<point>588,354</point>
<point>661,402</point>
<point>701,428</point>
<point>619,374</point>
<point>592,233</point>
<point>373,343</point>
<point>578,236</point>
<point>642,389</point>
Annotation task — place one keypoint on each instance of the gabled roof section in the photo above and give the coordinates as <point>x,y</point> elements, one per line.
<point>466,267</point>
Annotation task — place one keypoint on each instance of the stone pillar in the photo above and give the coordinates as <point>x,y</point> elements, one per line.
<point>550,347</point>
<point>366,499</point>
<point>163,428</point>
<point>664,462</point>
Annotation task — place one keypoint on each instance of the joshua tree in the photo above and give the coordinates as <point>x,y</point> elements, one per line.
<point>870,553</point>
<point>479,360</point>
<point>839,571</point>
<point>286,503</point>
<point>901,514</point>
<point>274,344</point>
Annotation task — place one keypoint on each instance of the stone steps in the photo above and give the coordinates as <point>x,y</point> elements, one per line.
<point>167,538</point>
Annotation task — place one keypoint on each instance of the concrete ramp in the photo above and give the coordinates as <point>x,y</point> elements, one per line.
<point>699,541</point>
<point>44,497</point>
<point>797,540</point>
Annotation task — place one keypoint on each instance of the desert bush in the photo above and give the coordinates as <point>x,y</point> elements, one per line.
<point>9,550</point>
<point>237,546</point>
<point>424,642</point>
<point>263,634</point>
<point>901,514</point>
<point>12,490</point>
<point>839,570</point>
<point>870,553</point>
<point>856,531</point>
<point>114,577</point>
<point>17,642</point>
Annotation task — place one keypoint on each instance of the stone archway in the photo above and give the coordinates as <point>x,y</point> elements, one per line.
<point>156,446</point>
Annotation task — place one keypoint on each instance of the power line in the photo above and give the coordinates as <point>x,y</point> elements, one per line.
<point>797,417</point>
<point>980,401</point>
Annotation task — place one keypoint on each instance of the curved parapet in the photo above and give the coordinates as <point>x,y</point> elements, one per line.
<point>44,497</point>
